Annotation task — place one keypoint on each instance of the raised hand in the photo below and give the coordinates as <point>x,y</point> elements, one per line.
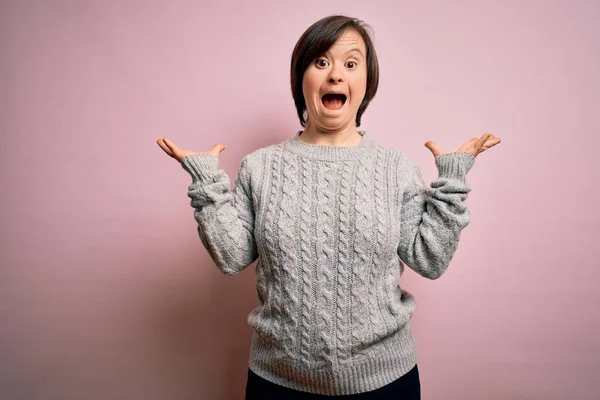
<point>178,153</point>
<point>473,146</point>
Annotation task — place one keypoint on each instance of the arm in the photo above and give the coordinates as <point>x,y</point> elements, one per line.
<point>431,219</point>
<point>225,217</point>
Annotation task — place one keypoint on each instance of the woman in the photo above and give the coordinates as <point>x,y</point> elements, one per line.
<point>332,217</point>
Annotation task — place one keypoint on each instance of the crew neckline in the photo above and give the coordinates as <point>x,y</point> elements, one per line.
<point>328,152</point>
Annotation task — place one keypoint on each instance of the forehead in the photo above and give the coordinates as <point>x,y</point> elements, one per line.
<point>350,39</point>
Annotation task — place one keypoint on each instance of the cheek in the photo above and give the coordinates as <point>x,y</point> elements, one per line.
<point>309,82</point>
<point>363,82</point>
<point>305,90</point>
<point>360,86</point>
<point>310,86</point>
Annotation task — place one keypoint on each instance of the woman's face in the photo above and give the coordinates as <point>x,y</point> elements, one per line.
<point>334,84</point>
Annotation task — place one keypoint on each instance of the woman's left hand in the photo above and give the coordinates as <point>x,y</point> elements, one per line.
<point>473,146</point>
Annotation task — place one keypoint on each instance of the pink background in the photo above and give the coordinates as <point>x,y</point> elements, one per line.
<point>105,289</point>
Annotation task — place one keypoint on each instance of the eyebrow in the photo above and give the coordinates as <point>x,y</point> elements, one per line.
<point>355,50</point>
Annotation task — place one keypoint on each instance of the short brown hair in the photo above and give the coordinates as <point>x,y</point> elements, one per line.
<point>315,41</point>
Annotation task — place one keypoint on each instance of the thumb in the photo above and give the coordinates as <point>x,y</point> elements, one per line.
<point>433,147</point>
<point>217,149</point>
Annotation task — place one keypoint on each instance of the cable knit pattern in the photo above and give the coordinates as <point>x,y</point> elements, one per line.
<point>325,262</point>
<point>365,331</point>
<point>305,248</point>
<point>289,261</point>
<point>331,229</point>
<point>379,191</point>
<point>343,273</point>
<point>274,282</point>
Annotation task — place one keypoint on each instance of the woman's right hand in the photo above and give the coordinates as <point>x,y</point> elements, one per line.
<point>178,153</point>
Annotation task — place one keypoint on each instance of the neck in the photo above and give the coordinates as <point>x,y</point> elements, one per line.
<point>347,136</point>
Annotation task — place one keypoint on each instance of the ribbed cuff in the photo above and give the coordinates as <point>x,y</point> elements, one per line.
<point>200,166</point>
<point>454,165</point>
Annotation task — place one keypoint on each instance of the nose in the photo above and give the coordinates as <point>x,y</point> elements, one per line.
<point>335,76</point>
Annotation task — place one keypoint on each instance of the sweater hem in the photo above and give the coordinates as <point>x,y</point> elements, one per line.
<point>397,357</point>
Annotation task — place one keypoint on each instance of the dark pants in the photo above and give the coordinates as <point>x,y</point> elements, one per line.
<point>407,387</point>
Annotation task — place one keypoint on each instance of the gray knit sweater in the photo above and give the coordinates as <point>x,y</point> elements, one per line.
<point>332,228</point>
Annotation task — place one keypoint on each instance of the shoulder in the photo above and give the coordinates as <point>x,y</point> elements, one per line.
<point>406,172</point>
<point>398,158</point>
<point>256,159</point>
<point>255,163</point>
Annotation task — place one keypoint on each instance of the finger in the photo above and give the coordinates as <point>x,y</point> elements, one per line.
<point>433,147</point>
<point>178,152</point>
<point>492,137</point>
<point>166,149</point>
<point>217,149</point>
<point>481,141</point>
<point>171,145</point>
<point>491,143</point>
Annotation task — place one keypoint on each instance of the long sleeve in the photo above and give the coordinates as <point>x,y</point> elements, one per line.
<point>225,216</point>
<point>432,217</point>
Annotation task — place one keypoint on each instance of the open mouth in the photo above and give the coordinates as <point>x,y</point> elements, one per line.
<point>333,101</point>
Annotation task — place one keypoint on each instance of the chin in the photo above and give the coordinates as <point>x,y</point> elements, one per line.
<point>331,124</point>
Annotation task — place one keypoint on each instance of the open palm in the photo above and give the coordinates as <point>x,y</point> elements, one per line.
<point>178,153</point>
<point>474,146</point>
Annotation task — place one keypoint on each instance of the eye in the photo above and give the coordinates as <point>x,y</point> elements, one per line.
<point>321,63</point>
<point>351,64</point>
